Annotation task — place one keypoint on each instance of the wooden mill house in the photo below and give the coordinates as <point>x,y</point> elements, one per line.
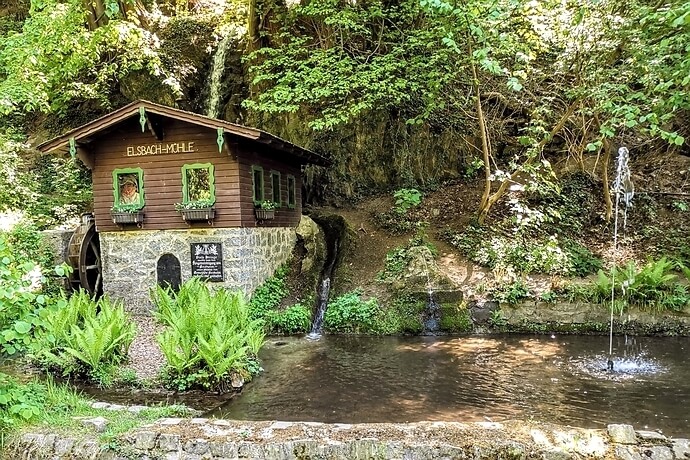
<point>176,195</point>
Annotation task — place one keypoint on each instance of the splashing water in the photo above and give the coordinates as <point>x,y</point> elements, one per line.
<point>315,331</point>
<point>624,190</point>
<point>431,319</point>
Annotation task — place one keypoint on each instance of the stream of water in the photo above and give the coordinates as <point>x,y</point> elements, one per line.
<point>561,379</point>
<point>473,378</point>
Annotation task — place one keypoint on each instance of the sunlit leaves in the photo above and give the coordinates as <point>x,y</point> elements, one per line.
<point>56,59</point>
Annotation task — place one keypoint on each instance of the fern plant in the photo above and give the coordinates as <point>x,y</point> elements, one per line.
<point>209,335</point>
<point>655,286</point>
<point>84,337</point>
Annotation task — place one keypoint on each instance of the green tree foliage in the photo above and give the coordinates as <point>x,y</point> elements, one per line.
<point>56,58</point>
<point>342,59</point>
<point>27,183</point>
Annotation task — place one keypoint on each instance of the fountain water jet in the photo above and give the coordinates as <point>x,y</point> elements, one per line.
<point>624,191</point>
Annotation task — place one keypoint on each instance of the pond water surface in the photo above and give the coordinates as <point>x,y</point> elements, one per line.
<point>560,379</point>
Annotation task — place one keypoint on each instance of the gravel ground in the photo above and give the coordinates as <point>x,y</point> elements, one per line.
<point>145,357</point>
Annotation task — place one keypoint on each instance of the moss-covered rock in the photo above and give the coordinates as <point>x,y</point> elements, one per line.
<point>455,318</point>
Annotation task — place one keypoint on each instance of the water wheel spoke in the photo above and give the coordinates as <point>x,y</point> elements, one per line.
<point>94,248</point>
<point>85,257</point>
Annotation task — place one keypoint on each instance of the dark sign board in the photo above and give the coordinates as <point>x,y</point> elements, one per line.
<point>207,261</point>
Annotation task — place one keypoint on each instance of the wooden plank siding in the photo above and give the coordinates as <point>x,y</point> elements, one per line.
<point>162,176</point>
<point>266,158</point>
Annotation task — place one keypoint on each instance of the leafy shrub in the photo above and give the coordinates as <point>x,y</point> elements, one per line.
<point>81,336</point>
<point>292,320</point>
<point>581,260</point>
<point>18,402</point>
<point>208,336</point>
<point>406,198</point>
<point>268,296</point>
<point>349,313</point>
<point>654,286</point>
<point>547,255</point>
<point>19,298</point>
<point>511,293</point>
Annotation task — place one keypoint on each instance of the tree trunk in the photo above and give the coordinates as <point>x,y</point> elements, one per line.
<point>486,153</point>
<point>491,200</point>
<point>253,39</point>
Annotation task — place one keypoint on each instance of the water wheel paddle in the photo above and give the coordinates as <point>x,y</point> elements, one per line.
<point>84,255</point>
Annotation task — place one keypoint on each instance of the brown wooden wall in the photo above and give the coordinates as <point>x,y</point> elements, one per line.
<point>162,177</point>
<point>269,160</point>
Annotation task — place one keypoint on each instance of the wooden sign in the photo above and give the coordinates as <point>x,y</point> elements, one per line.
<point>207,261</point>
<point>160,148</point>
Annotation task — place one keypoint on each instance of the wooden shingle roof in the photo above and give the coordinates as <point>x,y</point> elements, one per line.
<point>84,134</point>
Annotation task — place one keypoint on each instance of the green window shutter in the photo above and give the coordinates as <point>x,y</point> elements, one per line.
<point>257,184</point>
<point>292,197</point>
<point>198,183</point>
<point>276,190</point>
<point>128,189</point>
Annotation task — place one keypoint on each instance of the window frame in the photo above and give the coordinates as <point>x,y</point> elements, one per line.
<point>116,185</point>
<point>185,184</point>
<point>278,203</point>
<point>292,187</point>
<point>254,170</point>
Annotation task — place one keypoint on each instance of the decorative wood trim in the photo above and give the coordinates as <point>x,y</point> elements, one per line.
<point>86,133</point>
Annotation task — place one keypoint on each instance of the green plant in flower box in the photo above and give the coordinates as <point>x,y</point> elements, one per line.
<point>266,204</point>
<point>197,204</point>
<point>134,207</point>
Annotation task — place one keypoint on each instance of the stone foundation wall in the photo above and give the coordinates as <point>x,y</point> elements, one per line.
<point>129,259</point>
<point>226,439</point>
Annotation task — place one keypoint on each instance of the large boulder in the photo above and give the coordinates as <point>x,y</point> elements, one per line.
<point>311,247</point>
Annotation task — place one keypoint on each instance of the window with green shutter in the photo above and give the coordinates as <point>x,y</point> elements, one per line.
<point>292,197</point>
<point>257,184</point>
<point>128,189</point>
<point>276,189</point>
<point>198,184</point>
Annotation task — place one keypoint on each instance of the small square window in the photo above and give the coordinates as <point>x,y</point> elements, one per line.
<point>198,184</point>
<point>257,184</point>
<point>292,197</point>
<point>276,189</point>
<point>128,189</point>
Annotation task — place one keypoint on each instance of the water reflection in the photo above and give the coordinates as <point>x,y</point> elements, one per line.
<point>401,379</point>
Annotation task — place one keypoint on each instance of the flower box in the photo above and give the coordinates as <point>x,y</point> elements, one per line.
<point>264,214</point>
<point>124,218</point>
<point>201,214</point>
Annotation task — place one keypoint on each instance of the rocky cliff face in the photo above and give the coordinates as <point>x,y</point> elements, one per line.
<point>375,152</point>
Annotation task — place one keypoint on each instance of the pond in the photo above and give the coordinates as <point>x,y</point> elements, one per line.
<point>560,379</point>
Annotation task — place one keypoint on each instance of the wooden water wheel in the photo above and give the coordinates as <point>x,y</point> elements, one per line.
<point>84,255</point>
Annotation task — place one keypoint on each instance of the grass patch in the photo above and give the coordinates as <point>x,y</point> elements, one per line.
<point>50,406</point>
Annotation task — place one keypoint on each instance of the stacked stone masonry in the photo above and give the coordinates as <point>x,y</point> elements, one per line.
<point>194,439</point>
<point>250,256</point>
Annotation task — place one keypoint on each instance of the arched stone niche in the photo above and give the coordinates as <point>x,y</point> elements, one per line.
<point>168,272</point>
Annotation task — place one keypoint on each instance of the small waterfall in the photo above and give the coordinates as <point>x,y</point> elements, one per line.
<point>324,289</point>
<point>431,318</point>
<point>432,315</point>
<point>217,73</point>
<point>322,304</point>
